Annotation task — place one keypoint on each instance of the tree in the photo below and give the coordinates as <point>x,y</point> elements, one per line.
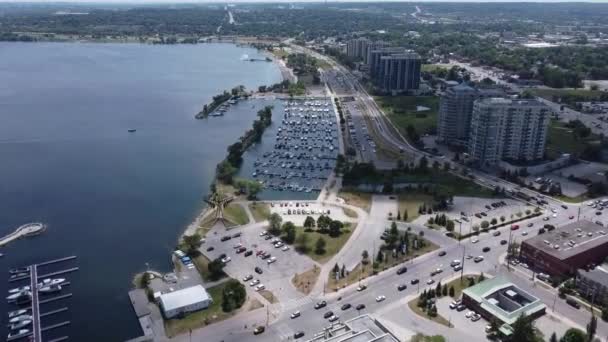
<point>309,222</point>
<point>449,226</point>
<point>476,228</point>
<point>233,295</point>
<point>503,219</point>
<point>485,224</point>
<point>343,271</point>
<point>398,215</point>
<point>302,243</point>
<point>493,221</point>
<point>323,222</point>
<point>605,314</point>
<point>275,221</point>
<point>451,291</point>
<point>216,269</point>
<point>334,228</point>
<point>320,246</point>
<point>192,242</point>
<point>404,214</point>
<point>481,278</point>
<point>289,229</point>
<point>553,337</point>
<point>591,327</point>
<point>523,331</point>
<point>574,335</point>
<point>380,257</point>
<point>364,257</point>
<point>444,290</point>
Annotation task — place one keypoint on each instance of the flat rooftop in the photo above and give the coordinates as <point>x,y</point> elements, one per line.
<point>359,329</point>
<point>569,240</point>
<point>503,299</point>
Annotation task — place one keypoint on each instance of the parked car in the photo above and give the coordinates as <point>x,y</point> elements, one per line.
<point>360,307</point>
<point>225,238</point>
<point>298,334</point>
<point>334,318</point>
<point>515,227</point>
<point>346,307</point>
<point>460,307</point>
<point>226,260</point>
<point>478,258</point>
<point>572,302</point>
<point>320,304</point>
<point>442,253</point>
<point>455,304</point>
<point>380,298</point>
<point>361,287</point>
<point>496,233</point>
<point>260,287</point>
<point>248,253</point>
<point>248,277</point>
<point>476,317</point>
<point>258,330</point>
<point>469,314</point>
<point>296,314</point>
<point>258,270</point>
<point>210,248</point>
<point>503,242</point>
<point>328,314</point>
<point>235,235</point>
<point>485,249</point>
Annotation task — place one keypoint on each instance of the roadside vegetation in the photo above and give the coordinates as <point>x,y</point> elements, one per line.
<point>236,214</point>
<point>355,198</point>
<point>304,282</point>
<point>574,138</point>
<point>398,248</point>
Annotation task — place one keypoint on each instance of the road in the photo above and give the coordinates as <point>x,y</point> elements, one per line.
<point>36,331</point>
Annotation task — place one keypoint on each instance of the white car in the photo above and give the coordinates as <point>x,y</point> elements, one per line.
<point>285,248</point>
<point>524,233</point>
<point>295,315</point>
<point>430,281</point>
<point>262,287</point>
<point>474,240</point>
<point>271,260</point>
<point>263,233</point>
<point>554,215</point>
<point>254,282</point>
<point>469,314</point>
<point>226,259</point>
<point>278,244</point>
<point>333,318</point>
<point>380,298</point>
<point>247,277</point>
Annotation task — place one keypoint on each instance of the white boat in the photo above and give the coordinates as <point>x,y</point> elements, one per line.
<point>19,289</point>
<point>50,289</point>
<point>49,281</point>
<point>17,333</point>
<point>20,325</point>
<point>17,313</point>
<point>14,296</point>
<point>19,319</point>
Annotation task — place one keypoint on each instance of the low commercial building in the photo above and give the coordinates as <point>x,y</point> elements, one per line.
<point>498,299</point>
<point>359,329</point>
<point>561,252</point>
<point>186,300</point>
<point>593,285</point>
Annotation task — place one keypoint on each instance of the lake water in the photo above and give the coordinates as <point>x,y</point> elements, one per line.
<point>115,199</point>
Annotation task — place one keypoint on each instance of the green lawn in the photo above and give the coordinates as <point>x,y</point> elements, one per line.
<point>260,211</point>
<point>411,202</point>
<point>201,262</point>
<point>424,338</point>
<point>432,67</point>
<point>333,245</point>
<point>561,140</point>
<point>401,110</point>
<point>412,304</point>
<point>350,213</point>
<point>236,214</point>
<point>201,318</point>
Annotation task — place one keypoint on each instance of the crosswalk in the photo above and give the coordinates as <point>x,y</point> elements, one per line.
<point>289,306</point>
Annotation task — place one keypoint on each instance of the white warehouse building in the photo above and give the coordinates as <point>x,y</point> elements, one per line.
<point>185,300</point>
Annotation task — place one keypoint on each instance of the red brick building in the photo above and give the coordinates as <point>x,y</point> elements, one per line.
<point>561,252</point>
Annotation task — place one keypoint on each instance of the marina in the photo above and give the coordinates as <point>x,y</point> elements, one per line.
<point>25,319</point>
<point>305,147</point>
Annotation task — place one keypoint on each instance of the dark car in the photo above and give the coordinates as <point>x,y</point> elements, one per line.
<point>360,307</point>
<point>402,270</point>
<point>235,235</point>
<point>258,270</point>
<point>460,307</point>
<point>503,242</point>
<point>496,233</point>
<point>442,253</point>
<point>248,253</point>
<point>486,249</point>
<point>298,334</point>
<point>401,287</point>
<point>267,237</point>
<point>346,306</point>
<point>484,214</point>
<point>222,256</point>
<point>258,330</point>
<point>240,250</point>
<point>210,249</point>
<point>414,281</point>
<point>573,303</point>
<point>328,314</point>
<point>225,238</point>
<point>320,304</point>
<point>265,256</point>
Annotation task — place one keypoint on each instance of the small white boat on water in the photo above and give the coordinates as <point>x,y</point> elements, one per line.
<point>19,319</point>
<point>19,289</point>
<point>17,313</point>
<point>20,325</point>
<point>50,289</point>
<point>17,333</point>
<point>13,297</point>
<point>50,282</point>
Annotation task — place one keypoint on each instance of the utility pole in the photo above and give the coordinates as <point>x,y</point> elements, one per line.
<point>464,248</point>
<point>460,231</point>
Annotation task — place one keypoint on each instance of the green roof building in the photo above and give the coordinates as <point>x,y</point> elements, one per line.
<point>498,299</point>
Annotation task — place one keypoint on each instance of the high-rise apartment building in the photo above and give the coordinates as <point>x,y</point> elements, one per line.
<point>361,47</point>
<point>399,73</point>
<point>454,118</point>
<point>505,129</point>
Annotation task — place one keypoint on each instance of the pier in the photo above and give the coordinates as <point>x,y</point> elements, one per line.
<point>23,231</point>
<point>35,334</point>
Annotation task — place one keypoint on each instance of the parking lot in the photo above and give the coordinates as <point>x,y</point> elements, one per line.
<point>275,276</point>
<point>460,321</point>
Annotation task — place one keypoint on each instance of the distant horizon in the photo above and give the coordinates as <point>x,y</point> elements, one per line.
<point>165,2</point>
